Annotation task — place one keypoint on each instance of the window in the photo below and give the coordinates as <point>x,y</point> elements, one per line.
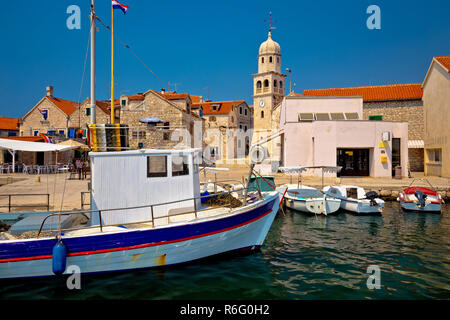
<point>180,165</point>
<point>245,128</point>
<point>61,132</point>
<point>156,166</point>
<point>266,83</point>
<point>51,133</point>
<point>262,114</point>
<point>275,83</point>
<point>281,84</point>
<point>88,111</point>
<point>434,155</point>
<point>138,134</point>
<point>258,85</point>
<point>270,59</point>
<point>322,116</point>
<point>240,126</point>
<point>35,133</point>
<point>337,116</point>
<point>278,59</point>
<point>306,116</point>
<point>123,102</point>
<point>262,60</point>
<point>245,111</point>
<point>240,110</point>
<point>351,116</point>
<point>239,143</point>
<point>166,136</point>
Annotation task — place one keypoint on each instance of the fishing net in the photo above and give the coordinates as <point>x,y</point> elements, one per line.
<point>223,200</point>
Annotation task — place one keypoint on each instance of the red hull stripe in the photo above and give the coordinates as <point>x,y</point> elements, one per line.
<point>137,246</point>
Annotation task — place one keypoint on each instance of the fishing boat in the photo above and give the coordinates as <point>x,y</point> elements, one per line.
<point>147,214</point>
<point>355,199</point>
<point>308,199</point>
<point>420,199</point>
<point>146,211</point>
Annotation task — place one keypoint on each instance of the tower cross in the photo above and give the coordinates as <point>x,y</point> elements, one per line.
<point>270,21</point>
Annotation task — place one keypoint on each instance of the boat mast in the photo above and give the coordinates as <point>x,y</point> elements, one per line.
<point>112,64</point>
<point>93,79</point>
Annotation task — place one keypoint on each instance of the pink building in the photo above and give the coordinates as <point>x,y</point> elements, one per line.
<point>329,131</point>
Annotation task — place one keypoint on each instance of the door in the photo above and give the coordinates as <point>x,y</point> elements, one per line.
<point>354,162</point>
<point>396,161</point>
<point>40,158</point>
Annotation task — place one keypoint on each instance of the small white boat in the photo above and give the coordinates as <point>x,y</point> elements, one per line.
<point>420,199</point>
<point>309,200</point>
<point>355,199</point>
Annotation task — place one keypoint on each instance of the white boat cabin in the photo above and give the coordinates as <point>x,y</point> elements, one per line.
<point>353,192</point>
<point>127,179</point>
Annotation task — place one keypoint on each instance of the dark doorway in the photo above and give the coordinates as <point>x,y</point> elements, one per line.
<point>40,158</point>
<point>354,162</point>
<point>396,161</point>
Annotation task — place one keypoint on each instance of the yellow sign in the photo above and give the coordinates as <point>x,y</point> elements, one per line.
<point>384,159</point>
<point>350,153</point>
<point>382,144</point>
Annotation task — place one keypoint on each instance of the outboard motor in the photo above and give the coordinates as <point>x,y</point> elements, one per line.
<point>421,197</point>
<point>372,195</point>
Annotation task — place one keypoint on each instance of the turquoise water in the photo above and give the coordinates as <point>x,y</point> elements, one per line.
<point>304,257</point>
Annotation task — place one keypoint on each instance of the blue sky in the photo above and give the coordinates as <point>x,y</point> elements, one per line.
<point>201,44</point>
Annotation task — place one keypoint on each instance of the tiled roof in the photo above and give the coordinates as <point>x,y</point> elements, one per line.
<point>373,93</point>
<point>136,97</point>
<point>196,99</point>
<point>444,61</point>
<point>66,106</point>
<point>9,123</point>
<point>172,95</point>
<point>223,107</point>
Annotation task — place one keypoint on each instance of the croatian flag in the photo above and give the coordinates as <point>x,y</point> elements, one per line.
<point>117,5</point>
<point>44,113</point>
<point>46,138</point>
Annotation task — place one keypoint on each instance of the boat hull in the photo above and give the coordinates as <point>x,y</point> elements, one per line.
<point>143,248</point>
<point>362,207</point>
<point>313,206</point>
<point>412,206</point>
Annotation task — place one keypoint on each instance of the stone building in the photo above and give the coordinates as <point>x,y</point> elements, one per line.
<point>398,102</point>
<point>436,104</point>
<point>178,127</point>
<point>228,130</point>
<point>9,127</point>
<point>50,116</point>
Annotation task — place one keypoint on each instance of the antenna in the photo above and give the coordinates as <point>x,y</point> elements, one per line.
<point>174,84</point>
<point>270,21</point>
<point>208,91</point>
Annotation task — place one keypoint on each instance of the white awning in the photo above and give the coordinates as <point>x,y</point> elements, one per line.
<point>18,145</point>
<point>415,144</point>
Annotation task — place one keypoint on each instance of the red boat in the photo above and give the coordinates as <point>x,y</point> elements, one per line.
<point>420,199</point>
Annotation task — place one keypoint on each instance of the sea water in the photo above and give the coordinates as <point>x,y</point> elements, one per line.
<point>303,257</point>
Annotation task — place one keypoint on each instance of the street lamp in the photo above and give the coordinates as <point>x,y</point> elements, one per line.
<point>290,79</point>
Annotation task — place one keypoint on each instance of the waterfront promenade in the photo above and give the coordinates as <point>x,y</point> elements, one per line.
<point>60,187</point>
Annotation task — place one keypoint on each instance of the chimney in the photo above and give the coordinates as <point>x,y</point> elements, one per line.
<point>163,90</point>
<point>49,91</point>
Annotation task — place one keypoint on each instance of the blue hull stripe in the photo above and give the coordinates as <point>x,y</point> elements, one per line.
<point>42,249</point>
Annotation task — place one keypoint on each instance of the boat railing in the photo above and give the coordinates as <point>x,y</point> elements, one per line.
<point>152,206</point>
<point>227,181</point>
